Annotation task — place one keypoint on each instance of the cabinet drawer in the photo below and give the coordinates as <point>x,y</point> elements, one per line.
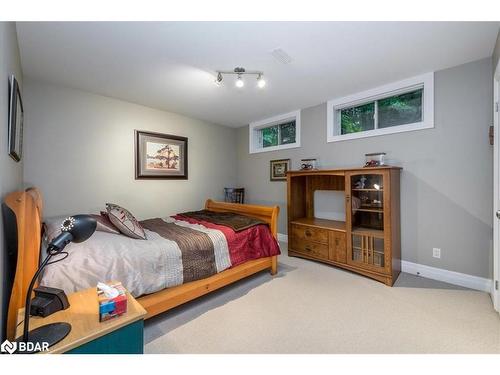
<point>303,232</point>
<point>314,249</point>
<point>338,247</point>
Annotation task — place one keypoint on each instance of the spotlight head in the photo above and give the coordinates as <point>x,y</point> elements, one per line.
<point>261,82</point>
<point>218,80</point>
<point>239,82</point>
<point>81,227</point>
<point>76,228</point>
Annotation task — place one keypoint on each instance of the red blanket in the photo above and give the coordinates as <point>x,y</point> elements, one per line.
<point>252,243</point>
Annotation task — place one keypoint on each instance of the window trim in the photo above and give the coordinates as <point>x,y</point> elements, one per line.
<point>425,81</point>
<point>255,146</point>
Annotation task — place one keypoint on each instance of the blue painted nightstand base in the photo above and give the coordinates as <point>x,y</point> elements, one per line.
<point>126,340</point>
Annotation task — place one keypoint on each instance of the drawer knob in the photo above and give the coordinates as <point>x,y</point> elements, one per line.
<point>308,233</point>
<point>307,248</point>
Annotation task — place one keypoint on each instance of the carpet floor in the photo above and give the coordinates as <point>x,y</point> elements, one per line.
<point>310,307</point>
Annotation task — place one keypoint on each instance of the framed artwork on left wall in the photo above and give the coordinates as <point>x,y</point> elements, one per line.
<point>160,156</point>
<point>15,121</point>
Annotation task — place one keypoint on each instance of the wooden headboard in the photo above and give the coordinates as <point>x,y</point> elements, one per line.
<point>24,212</point>
<point>267,214</point>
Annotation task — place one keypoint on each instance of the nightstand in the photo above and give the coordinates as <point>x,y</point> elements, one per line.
<point>120,335</point>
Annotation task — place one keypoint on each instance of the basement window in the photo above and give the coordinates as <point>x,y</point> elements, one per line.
<point>276,133</point>
<point>403,106</point>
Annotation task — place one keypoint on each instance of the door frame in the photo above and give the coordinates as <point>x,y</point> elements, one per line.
<point>495,293</point>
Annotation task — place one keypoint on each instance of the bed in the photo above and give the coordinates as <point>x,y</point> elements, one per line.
<point>23,221</point>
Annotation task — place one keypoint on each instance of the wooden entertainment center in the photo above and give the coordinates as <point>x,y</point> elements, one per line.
<point>369,240</point>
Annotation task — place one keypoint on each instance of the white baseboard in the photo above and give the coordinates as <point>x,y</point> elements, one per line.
<point>282,237</point>
<point>451,277</point>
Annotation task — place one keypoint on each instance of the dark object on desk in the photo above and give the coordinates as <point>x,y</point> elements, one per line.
<point>76,228</point>
<point>234,195</point>
<point>47,301</point>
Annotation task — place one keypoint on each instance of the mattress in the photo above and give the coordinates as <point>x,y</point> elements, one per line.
<point>169,256</point>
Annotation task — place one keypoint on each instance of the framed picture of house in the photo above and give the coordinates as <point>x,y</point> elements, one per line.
<point>160,156</point>
<point>16,119</point>
<point>279,169</point>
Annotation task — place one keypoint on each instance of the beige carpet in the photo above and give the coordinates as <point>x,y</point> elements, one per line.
<point>314,308</point>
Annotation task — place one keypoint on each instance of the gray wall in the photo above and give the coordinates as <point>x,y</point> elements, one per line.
<point>80,152</point>
<point>447,185</point>
<point>11,173</point>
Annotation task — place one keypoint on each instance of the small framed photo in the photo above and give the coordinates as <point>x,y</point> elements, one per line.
<point>160,156</point>
<point>279,169</point>
<point>16,119</point>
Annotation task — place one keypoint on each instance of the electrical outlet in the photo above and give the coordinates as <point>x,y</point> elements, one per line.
<point>436,252</point>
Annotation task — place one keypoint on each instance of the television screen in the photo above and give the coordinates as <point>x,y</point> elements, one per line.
<point>329,204</point>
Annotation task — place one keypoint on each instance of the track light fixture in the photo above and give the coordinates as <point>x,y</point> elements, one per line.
<point>239,72</point>
<point>261,82</point>
<point>218,80</point>
<point>239,82</point>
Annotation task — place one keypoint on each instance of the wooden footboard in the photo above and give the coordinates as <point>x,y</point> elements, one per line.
<point>167,299</point>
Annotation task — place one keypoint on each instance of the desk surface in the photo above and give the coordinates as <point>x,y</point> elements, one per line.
<point>83,315</point>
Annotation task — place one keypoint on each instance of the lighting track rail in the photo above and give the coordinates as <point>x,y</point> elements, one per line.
<point>240,72</point>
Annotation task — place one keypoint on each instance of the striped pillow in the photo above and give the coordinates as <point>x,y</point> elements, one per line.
<point>125,221</point>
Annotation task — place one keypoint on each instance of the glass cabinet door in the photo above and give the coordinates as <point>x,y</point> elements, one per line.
<point>366,219</point>
<point>368,250</point>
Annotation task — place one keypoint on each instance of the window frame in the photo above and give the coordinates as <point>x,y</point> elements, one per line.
<point>425,81</point>
<point>255,143</point>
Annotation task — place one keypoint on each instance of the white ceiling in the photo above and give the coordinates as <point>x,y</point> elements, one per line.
<point>170,65</point>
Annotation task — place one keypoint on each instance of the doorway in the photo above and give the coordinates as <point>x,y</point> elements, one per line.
<point>495,292</point>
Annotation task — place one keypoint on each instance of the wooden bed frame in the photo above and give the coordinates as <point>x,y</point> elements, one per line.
<point>25,212</point>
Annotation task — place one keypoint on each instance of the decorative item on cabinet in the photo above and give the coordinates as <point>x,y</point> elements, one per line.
<point>308,164</point>
<point>375,159</point>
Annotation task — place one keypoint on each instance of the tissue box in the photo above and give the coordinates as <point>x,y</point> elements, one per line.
<point>111,307</point>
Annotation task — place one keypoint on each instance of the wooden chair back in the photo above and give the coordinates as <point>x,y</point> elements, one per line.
<point>234,195</point>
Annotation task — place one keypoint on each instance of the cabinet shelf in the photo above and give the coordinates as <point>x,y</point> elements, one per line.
<point>376,210</point>
<point>378,190</point>
<point>321,223</point>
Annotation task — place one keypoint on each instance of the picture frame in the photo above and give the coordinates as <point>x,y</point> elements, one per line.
<point>160,156</point>
<point>15,120</point>
<point>278,169</point>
